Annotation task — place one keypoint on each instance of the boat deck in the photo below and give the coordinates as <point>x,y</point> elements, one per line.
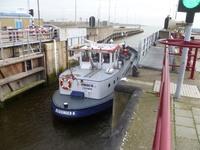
<point>76,103</point>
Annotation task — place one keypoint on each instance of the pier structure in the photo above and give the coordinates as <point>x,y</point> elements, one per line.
<point>146,103</point>
<point>105,34</point>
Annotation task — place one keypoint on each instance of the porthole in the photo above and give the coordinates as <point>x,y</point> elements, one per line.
<point>114,82</point>
<point>109,85</point>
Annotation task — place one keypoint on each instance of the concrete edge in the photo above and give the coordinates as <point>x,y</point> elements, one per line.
<point>173,143</point>
<point>122,88</point>
<point>116,138</point>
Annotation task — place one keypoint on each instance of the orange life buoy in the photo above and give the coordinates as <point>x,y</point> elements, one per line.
<point>65,87</point>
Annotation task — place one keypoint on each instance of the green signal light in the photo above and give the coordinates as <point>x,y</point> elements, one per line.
<point>191,3</point>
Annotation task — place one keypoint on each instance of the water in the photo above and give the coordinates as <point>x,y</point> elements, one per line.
<point>28,123</point>
<point>133,40</point>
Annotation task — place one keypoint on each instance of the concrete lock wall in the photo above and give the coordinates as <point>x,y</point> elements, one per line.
<point>56,63</point>
<point>122,95</point>
<point>16,51</point>
<point>120,101</point>
<point>97,34</point>
<point>8,52</point>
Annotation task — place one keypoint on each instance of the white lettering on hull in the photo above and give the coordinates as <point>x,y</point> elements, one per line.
<point>69,113</point>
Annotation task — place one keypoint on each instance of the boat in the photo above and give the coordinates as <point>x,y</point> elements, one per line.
<point>87,89</point>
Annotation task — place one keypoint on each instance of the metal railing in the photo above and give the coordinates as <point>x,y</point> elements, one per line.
<point>145,45</point>
<point>162,137</point>
<point>193,44</point>
<point>15,37</point>
<point>21,38</point>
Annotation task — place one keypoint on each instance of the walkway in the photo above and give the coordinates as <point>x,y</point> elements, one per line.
<point>185,113</point>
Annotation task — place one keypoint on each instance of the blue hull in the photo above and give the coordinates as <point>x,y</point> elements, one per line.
<point>69,115</point>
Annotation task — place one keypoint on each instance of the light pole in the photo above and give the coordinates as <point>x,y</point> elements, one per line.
<point>75,15</point>
<point>176,7</point>
<point>38,12</point>
<point>99,11</point>
<point>109,14</point>
<point>135,18</point>
<point>127,17</point>
<point>62,15</point>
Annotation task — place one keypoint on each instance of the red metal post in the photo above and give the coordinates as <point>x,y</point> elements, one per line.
<point>189,60</point>
<point>194,64</point>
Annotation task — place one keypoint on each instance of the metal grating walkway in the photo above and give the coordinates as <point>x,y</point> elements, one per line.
<point>153,59</point>
<point>187,90</point>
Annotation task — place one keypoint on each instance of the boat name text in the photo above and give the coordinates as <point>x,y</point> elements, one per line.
<point>87,88</point>
<point>88,85</point>
<point>65,112</point>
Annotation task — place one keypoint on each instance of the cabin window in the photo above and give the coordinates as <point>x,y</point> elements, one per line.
<point>105,57</point>
<point>109,85</point>
<point>85,57</point>
<point>95,57</point>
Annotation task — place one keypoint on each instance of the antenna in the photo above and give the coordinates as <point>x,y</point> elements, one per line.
<point>28,5</point>
<point>99,10</point>
<point>109,14</point>
<point>115,12</point>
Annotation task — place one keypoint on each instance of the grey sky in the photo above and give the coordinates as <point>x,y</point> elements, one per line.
<point>147,12</point>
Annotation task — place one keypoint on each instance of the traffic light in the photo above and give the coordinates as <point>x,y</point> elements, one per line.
<point>55,33</point>
<point>30,12</point>
<point>189,6</point>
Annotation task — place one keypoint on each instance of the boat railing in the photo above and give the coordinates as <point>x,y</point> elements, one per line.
<point>162,137</point>
<point>145,45</point>
<point>75,41</point>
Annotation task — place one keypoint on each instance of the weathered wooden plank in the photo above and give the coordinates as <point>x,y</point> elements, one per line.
<point>15,93</point>
<point>1,75</point>
<point>9,86</point>
<point>25,81</point>
<point>11,61</point>
<point>5,89</point>
<point>20,75</point>
<point>17,67</point>
<point>36,63</point>
<point>5,72</point>
<point>15,85</point>
<point>11,69</point>
<point>20,67</point>
<point>1,93</point>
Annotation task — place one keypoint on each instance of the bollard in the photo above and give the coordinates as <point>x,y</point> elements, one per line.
<point>135,72</point>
